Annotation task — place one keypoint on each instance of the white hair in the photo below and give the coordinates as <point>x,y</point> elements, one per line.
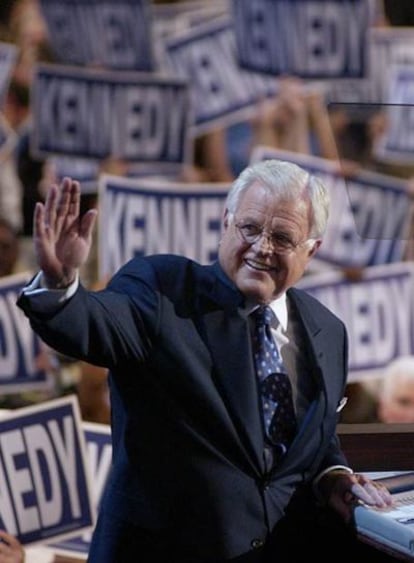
<point>400,369</point>
<point>288,181</point>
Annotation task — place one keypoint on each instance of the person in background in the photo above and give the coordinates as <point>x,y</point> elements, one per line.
<point>296,120</point>
<point>15,111</point>
<point>196,476</point>
<point>361,405</point>
<point>9,249</point>
<point>28,30</point>
<point>211,160</point>
<point>399,12</point>
<point>20,173</point>
<point>387,399</point>
<point>93,393</point>
<point>396,392</point>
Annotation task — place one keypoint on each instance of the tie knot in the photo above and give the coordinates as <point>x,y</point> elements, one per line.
<point>264,315</point>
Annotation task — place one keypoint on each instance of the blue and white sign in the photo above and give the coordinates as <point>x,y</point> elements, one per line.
<point>378,312</point>
<point>386,46</point>
<point>174,17</point>
<point>222,93</point>
<point>306,38</point>
<point>20,347</point>
<point>100,114</point>
<point>144,216</point>
<point>84,170</point>
<point>44,480</point>
<point>112,34</point>
<point>361,230</point>
<point>99,454</point>
<point>397,142</point>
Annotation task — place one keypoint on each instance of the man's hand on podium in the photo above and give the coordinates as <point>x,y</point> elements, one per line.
<point>343,490</point>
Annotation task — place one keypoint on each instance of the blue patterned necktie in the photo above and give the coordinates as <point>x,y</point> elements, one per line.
<point>274,384</point>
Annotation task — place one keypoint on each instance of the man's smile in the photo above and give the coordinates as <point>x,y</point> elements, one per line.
<point>260,266</point>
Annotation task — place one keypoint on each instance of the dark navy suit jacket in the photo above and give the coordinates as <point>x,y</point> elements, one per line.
<point>187,434</point>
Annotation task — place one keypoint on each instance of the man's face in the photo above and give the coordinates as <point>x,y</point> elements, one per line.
<point>261,271</point>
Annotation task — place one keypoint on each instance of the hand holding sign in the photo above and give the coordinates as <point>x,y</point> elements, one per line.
<point>62,238</point>
<point>11,550</point>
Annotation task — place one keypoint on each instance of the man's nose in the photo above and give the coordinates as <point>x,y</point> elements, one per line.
<point>265,241</point>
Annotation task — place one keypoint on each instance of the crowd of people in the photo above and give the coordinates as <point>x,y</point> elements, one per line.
<point>298,119</point>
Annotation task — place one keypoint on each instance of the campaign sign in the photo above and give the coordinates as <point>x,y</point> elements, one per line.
<point>222,93</point>
<point>99,455</point>
<point>386,46</point>
<point>172,18</point>
<point>20,347</point>
<point>83,170</point>
<point>8,57</point>
<point>361,231</point>
<point>44,481</point>
<point>397,142</point>
<point>378,312</point>
<point>113,34</point>
<point>306,38</point>
<point>142,216</point>
<point>99,114</point>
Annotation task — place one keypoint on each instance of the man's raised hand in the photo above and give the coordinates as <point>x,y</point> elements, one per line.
<point>62,238</point>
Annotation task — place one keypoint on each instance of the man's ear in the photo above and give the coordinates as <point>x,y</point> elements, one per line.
<point>314,248</point>
<point>226,219</point>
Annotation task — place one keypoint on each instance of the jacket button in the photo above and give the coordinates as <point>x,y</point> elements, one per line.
<point>256,543</point>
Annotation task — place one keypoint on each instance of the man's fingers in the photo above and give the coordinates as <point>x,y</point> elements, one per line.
<point>39,220</point>
<point>68,207</point>
<point>49,216</point>
<point>372,494</point>
<point>87,224</point>
<point>73,189</point>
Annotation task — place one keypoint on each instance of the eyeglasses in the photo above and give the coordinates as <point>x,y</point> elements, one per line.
<point>281,243</point>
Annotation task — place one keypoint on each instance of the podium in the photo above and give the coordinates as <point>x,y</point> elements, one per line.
<point>379,447</point>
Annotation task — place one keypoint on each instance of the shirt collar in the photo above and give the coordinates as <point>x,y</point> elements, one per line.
<point>279,307</point>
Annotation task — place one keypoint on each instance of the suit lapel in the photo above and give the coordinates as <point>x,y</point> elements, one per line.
<point>313,342</point>
<point>313,332</point>
<point>227,332</point>
<point>230,346</point>
<point>315,338</point>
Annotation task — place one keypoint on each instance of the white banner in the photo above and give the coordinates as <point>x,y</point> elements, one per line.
<point>145,216</point>
<point>98,114</point>
<point>306,38</point>
<point>99,455</point>
<point>171,18</point>
<point>20,347</point>
<point>378,312</point>
<point>113,34</point>
<point>44,477</point>
<point>222,93</point>
<point>386,46</point>
<point>397,142</point>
